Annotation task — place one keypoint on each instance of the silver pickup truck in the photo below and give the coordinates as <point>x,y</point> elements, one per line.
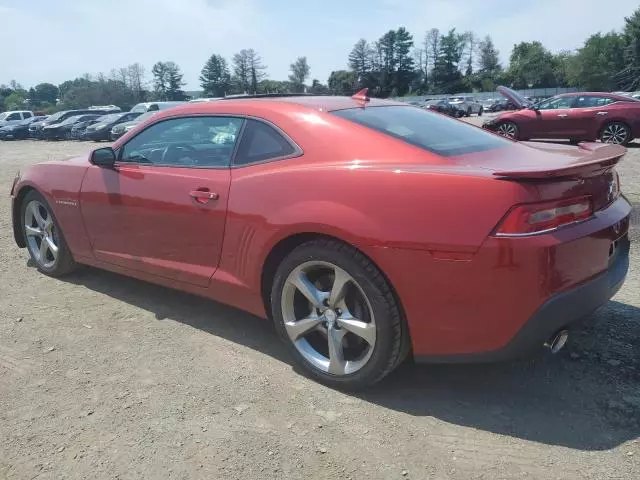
<point>467,104</point>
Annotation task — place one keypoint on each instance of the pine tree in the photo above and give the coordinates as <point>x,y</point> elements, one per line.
<point>215,78</point>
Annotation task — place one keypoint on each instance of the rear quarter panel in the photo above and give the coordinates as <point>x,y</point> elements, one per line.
<point>365,189</point>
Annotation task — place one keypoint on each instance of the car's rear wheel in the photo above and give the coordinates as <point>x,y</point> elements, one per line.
<point>616,132</point>
<point>44,238</point>
<point>508,130</point>
<point>480,112</point>
<point>338,315</point>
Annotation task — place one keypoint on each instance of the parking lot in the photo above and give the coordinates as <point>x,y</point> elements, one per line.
<point>102,376</point>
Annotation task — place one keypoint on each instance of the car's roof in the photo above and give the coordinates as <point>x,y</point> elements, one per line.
<point>598,94</point>
<point>320,102</point>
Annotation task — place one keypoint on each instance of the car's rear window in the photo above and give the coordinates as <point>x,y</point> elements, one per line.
<point>433,132</point>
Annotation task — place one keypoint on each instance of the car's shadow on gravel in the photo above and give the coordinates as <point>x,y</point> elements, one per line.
<point>586,397</point>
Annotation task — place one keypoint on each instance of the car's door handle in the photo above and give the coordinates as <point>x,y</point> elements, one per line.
<point>602,113</point>
<point>203,195</point>
<point>562,115</point>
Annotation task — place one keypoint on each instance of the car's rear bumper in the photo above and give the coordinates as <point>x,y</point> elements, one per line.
<point>477,305</point>
<point>557,313</point>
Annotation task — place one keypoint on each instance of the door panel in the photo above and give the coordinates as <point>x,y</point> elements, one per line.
<point>144,217</point>
<point>554,123</point>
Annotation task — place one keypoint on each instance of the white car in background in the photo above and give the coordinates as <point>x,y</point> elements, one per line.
<point>14,116</point>
<point>467,104</point>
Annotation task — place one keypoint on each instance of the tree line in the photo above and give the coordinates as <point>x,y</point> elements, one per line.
<point>394,65</point>
<point>452,62</point>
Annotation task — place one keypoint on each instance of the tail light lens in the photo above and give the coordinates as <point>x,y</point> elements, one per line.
<point>532,218</point>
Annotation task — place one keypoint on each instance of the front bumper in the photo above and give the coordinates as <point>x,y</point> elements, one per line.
<point>113,136</point>
<point>490,125</point>
<point>96,135</point>
<point>557,313</point>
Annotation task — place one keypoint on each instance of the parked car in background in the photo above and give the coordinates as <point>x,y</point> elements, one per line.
<point>205,99</point>
<point>443,106</point>
<point>62,130</point>
<point>122,128</point>
<point>575,116</point>
<point>467,104</point>
<point>14,116</point>
<point>154,106</point>
<point>78,128</point>
<point>398,262</point>
<point>36,128</point>
<point>106,108</point>
<point>101,129</point>
<point>17,130</point>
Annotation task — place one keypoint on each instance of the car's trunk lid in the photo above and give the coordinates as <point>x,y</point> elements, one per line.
<point>566,171</point>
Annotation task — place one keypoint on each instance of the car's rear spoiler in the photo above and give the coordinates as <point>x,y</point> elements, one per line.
<point>599,157</point>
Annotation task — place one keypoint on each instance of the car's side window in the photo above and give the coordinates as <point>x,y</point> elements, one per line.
<point>186,142</point>
<point>14,116</point>
<point>556,103</point>
<point>261,142</point>
<point>26,115</point>
<point>590,101</point>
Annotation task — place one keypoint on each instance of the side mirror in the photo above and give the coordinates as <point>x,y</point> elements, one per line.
<point>103,157</point>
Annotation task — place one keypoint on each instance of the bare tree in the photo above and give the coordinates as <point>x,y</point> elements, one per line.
<point>470,46</point>
<point>432,48</point>
<point>137,81</point>
<point>248,70</point>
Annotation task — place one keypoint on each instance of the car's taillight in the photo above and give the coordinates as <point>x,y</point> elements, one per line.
<point>533,218</point>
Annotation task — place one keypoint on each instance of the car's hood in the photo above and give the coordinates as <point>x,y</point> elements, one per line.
<point>124,125</point>
<point>514,97</point>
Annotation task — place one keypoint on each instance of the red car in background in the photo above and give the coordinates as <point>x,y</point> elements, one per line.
<point>365,229</point>
<point>581,116</point>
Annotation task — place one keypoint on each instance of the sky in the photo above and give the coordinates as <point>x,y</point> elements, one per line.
<point>56,40</point>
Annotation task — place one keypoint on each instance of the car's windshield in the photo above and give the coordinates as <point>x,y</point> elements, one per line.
<point>4,115</point>
<point>435,133</point>
<point>143,117</point>
<point>56,116</point>
<point>73,119</point>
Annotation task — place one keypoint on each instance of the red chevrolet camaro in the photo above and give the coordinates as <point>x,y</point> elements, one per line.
<point>576,116</point>
<point>367,230</point>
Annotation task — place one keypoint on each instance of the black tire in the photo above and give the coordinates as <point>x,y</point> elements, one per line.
<point>64,262</point>
<point>468,114</point>
<point>622,135</point>
<point>392,339</point>
<point>480,112</point>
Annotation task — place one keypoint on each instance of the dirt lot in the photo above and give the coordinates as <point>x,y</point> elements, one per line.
<point>106,377</point>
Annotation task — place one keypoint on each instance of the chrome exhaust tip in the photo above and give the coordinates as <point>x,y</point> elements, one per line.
<point>558,341</point>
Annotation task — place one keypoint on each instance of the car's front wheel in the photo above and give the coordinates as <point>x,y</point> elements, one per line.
<point>616,132</point>
<point>43,237</point>
<point>508,130</point>
<point>338,315</point>
<point>481,111</point>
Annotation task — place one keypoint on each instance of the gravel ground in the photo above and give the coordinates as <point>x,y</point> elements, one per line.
<point>102,376</point>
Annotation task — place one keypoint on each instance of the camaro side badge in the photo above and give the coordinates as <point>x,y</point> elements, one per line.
<point>69,203</point>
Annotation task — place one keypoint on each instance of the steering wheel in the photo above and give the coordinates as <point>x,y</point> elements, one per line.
<point>175,149</point>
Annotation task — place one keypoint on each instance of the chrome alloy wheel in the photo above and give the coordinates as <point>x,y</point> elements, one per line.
<point>328,318</point>
<point>614,133</point>
<point>42,238</point>
<point>507,130</point>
